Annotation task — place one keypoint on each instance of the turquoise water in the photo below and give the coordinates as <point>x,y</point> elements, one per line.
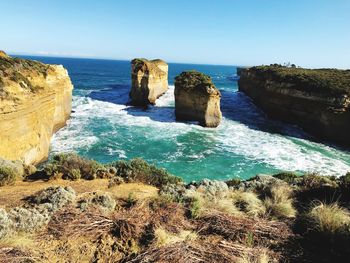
<point>102,127</point>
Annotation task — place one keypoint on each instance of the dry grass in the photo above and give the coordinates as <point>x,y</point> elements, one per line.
<point>72,223</point>
<point>21,240</point>
<point>205,204</point>
<point>246,230</point>
<point>329,218</point>
<point>205,250</point>
<point>247,202</point>
<point>164,237</point>
<point>279,204</point>
<point>233,203</point>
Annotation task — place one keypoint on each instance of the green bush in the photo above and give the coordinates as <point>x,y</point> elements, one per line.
<point>345,180</point>
<point>68,166</point>
<point>195,207</point>
<point>288,177</point>
<point>233,182</point>
<point>326,81</point>
<point>312,181</point>
<point>74,175</point>
<point>115,181</point>
<point>138,170</point>
<point>193,80</point>
<point>7,175</point>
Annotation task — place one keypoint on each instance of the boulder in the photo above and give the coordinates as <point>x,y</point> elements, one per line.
<point>149,81</point>
<point>197,99</point>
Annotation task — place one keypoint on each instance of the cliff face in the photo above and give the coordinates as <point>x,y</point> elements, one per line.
<point>316,100</point>
<point>149,81</point>
<point>197,99</point>
<point>35,101</point>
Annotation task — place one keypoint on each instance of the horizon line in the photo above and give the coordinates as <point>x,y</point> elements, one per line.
<point>113,59</point>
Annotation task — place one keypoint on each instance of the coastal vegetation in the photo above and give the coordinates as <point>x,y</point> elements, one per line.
<point>112,213</point>
<point>193,79</point>
<point>334,81</point>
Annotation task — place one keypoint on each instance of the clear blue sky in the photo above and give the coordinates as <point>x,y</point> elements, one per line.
<point>311,33</point>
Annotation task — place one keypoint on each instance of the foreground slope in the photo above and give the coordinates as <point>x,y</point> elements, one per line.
<point>131,211</point>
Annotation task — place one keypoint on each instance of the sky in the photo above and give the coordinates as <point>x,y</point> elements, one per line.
<point>308,33</point>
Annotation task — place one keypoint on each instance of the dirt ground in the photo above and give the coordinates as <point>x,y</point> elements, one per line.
<point>13,195</point>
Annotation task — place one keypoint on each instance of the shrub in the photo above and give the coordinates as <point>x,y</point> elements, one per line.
<point>131,200</point>
<point>7,175</point>
<point>329,218</point>
<point>312,181</point>
<point>279,203</point>
<point>195,207</point>
<point>5,224</point>
<point>138,170</point>
<point>74,175</point>
<point>233,182</point>
<point>27,220</point>
<point>67,165</point>
<point>55,197</point>
<point>345,181</point>
<point>102,200</point>
<point>115,181</point>
<point>288,177</point>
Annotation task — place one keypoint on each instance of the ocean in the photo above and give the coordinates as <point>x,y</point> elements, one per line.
<point>246,143</point>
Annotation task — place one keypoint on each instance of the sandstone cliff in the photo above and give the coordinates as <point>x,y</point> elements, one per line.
<point>197,99</point>
<point>149,81</point>
<point>317,100</point>
<point>35,101</point>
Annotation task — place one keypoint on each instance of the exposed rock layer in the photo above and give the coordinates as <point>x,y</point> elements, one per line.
<point>149,81</point>
<point>316,100</point>
<point>197,99</point>
<point>35,101</point>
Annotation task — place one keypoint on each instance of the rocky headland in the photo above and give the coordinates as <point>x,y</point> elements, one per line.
<point>318,100</point>
<point>197,99</point>
<point>35,101</point>
<point>149,81</point>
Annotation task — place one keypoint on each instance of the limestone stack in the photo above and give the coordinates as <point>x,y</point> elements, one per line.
<point>318,100</point>
<point>197,99</point>
<point>35,101</point>
<point>149,81</point>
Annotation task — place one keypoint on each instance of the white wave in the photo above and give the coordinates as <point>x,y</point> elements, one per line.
<point>279,151</point>
<point>167,99</point>
<point>158,123</point>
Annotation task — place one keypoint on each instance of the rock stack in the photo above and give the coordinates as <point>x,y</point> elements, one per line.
<point>149,81</point>
<point>197,99</point>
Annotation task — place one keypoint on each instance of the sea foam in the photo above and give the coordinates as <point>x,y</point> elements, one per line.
<point>157,124</point>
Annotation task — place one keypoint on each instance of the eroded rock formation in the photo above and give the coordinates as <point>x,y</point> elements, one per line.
<point>197,99</point>
<point>35,101</point>
<point>149,81</point>
<point>316,100</point>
